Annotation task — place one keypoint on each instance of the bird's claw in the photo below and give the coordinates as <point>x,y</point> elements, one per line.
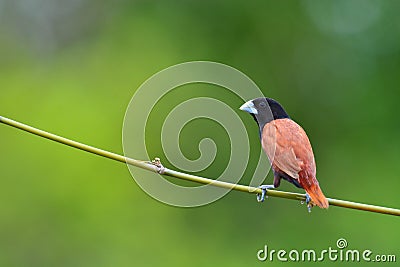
<point>309,202</point>
<point>261,197</point>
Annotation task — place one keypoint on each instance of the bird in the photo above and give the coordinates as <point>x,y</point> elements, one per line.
<point>288,149</point>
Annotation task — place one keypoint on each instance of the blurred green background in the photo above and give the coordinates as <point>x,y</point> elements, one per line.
<point>71,67</point>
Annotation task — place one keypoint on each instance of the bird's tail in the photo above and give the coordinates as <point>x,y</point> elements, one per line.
<point>317,196</point>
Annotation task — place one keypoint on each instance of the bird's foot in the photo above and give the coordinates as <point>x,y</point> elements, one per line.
<point>261,197</point>
<point>309,202</point>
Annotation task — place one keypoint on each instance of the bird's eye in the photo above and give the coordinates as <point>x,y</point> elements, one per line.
<point>263,104</point>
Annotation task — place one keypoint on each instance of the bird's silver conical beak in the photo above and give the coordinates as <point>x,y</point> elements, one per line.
<point>249,107</point>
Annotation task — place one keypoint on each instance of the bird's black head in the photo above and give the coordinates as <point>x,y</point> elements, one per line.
<point>264,110</point>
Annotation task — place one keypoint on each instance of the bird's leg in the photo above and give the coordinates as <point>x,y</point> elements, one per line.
<point>309,202</point>
<point>261,197</point>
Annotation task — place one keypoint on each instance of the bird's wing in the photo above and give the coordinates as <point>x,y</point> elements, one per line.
<point>285,144</point>
<point>286,160</point>
<point>289,150</point>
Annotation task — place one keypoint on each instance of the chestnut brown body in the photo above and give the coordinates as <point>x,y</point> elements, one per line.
<point>290,153</point>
